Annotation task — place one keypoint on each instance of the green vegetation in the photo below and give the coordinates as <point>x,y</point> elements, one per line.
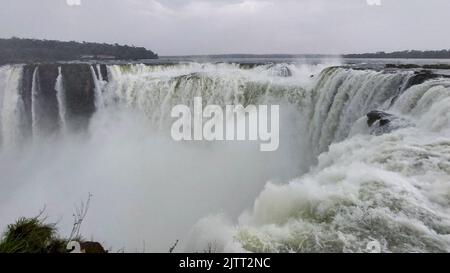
<point>32,235</point>
<point>416,66</point>
<point>436,66</point>
<point>406,54</point>
<point>403,66</point>
<point>16,50</point>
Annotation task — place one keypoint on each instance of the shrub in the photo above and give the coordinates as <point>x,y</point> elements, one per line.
<point>31,235</point>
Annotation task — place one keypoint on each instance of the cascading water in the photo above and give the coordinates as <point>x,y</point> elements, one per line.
<point>11,106</point>
<point>99,84</point>
<point>391,188</point>
<point>34,102</point>
<point>99,73</point>
<point>61,97</point>
<point>346,187</point>
<point>155,90</point>
<point>345,95</point>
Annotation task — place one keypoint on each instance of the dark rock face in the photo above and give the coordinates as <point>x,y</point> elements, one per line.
<point>92,247</point>
<point>47,99</point>
<point>376,115</point>
<point>47,118</point>
<point>381,122</point>
<point>79,94</point>
<point>25,92</point>
<point>420,77</point>
<point>101,72</point>
<point>104,72</point>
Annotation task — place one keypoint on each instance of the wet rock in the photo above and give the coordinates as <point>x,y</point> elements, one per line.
<point>104,72</point>
<point>420,77</point>
<point>79,94</point>
<point>381,122</point>
<point>47,99</point>
<point>376,115</point>
<point>47,118</point>
<point>101,72</point>
<point>85,247</point>
<point>26,86</point>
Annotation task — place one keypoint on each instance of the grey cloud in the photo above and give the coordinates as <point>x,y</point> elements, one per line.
<point>236,26</point>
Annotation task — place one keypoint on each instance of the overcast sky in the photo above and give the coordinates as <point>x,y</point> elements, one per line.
<point>180,27</point>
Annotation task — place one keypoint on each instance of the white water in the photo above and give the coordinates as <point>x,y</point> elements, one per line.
<point>346,96</point>
<point>393,188</point>
<point>99,72</point>
<point>61,98</point>
<point>98,87</point>
<point>11,106</point>
<point>34,102</point>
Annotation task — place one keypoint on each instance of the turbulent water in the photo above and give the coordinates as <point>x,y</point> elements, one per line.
<point>333,186</point>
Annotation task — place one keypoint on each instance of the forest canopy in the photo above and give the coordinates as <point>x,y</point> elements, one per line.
<point>17,50</point>
<point>406,54</point>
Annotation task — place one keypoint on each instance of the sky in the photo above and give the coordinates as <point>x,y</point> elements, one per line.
<point>196,27</point>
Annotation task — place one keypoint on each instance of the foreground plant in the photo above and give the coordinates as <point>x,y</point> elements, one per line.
<point>32,235</point>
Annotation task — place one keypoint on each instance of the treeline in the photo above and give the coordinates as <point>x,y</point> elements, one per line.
<point>406,54</point>
<point>16,50</point>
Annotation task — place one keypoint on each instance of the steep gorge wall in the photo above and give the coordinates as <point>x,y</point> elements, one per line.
<point>37,89</point>
<point>79,94</point>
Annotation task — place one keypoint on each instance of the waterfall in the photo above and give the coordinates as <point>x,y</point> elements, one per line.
<point>99,73</point>
<point>427,104</point>
<point>331,104</point>
<point>34,102</point>
<point>345,95</point>
<point>11,107</point>
<point>61,97</point>
<point>330,100</point>
<point>155,90</point>
<point>363,188</point>
<point>98,87</point>
<point>333,186</point>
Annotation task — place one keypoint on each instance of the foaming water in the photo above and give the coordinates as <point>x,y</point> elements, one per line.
<point>60,95</point>
<point>34,102</point>
<point>392,188</point>
<point>145,186</point>
<point>363,189</point>
<point>331,186</point>
<point>11,106</point>
<point>99,84</point>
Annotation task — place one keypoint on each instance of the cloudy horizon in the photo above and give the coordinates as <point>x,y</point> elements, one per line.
<point>199,27</point>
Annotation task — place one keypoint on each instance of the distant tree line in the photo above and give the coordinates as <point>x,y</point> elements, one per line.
<point>406,54</point>
<point>16,50</point>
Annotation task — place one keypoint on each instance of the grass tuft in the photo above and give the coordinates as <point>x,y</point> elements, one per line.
<point>31,235</point>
